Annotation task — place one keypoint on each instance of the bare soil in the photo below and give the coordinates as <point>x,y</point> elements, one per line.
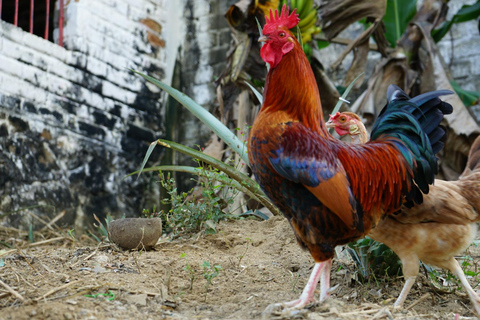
<point>260,264</point>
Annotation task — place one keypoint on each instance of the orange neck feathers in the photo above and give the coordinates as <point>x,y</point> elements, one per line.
<point>291,87</point>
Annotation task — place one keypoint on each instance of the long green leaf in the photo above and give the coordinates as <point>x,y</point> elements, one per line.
<point>255,91</point>
<point>147,155</point>
<point>466,13</point>
<point>468,97</point>
<point>232,172</point>
<point>344,96</point>
<point>203,115</point>
<point>396,19</point>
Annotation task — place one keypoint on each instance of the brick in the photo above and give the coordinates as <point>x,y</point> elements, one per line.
<point>216,55</point>
<point>224,37</point>
<point>21,88</point>
<point>461,68</point>
<point>203,94</point>
<point>45,46</point>
<point>9,102</point>
<point>11,66</point>
<point>201,8</point>
<point>11,32</point>
<point>91,130</point>
<point>204,74</point>
<point>114,92</point>
<point>139,133</point>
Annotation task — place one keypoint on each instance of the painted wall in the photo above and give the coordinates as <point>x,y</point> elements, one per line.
<point>74,121</point>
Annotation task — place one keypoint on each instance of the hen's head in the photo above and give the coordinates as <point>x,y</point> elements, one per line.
<point>277,36</point>
<point>345,123</point>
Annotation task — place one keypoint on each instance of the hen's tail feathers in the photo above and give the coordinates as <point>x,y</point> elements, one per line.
<point>413,125</point>
<point>473,162</point>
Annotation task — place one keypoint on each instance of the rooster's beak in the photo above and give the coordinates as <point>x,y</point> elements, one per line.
<point>263,39</point>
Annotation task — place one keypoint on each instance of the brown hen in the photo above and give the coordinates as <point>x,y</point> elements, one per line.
<point>443,226</point>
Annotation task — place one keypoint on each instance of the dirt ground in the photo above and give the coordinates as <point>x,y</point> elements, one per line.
<point>260,264</point>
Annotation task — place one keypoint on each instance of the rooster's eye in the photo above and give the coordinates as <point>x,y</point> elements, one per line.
<point>342,119</point>
<point>281,34</point>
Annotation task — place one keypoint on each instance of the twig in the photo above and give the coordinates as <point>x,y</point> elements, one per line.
<point>26,260</point>
<point>49,293</point>
<point>135,292</point>
<point>7,252</point>
<point>39,219</point>
<point>344,41</point>
<point>424,297</point>
<point>58,217</point>
<point>85,259</point>
<point>348,313</point>
<point>357,312</point>
<point>39,243</point>
<point>5,294</point>
<point>15,293</point>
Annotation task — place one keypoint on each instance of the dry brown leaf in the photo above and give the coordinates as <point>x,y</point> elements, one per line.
<point>215,147</point>
<point>337,15</point>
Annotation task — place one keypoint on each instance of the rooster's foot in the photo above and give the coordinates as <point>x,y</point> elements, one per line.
<point>289,309</point>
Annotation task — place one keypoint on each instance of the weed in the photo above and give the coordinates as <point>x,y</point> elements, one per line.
<point>445,280</point>
<point>188,214</point>
<point>189,269</point>
<point>374,259</point>
<point>245,252</point>
<point>71,234</point>
<point>102,229</point>
<point>153,214</point>
<point>209,273</point>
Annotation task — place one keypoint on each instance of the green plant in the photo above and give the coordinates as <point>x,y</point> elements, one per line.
<point>374,259</point>
<point>189,269</point>
<point>209,273</point>
<point>153,214</point>
<point>102,229</point>
<point>445,281</point>
<point>397,16</point>
<point>240,257</point>
<point>188,214</point>
<point>466,13</point>
<point>71,234</point>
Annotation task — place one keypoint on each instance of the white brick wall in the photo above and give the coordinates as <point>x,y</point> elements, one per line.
<point>82,105</point>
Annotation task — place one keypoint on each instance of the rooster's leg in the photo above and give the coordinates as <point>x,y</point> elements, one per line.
<point>455,268</point>
<point>321,269</point>
<point>325,280</point>
<point>307,295</point>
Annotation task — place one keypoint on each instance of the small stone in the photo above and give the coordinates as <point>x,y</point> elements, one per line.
<point>99,269</point>
<point>67,316</point>
<point>139,299</point>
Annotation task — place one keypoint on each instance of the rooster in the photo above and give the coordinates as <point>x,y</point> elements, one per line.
<point>313,178</point>
<point>442,226</point>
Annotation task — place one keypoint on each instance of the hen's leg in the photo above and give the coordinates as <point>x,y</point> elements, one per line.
<point>410,265</point>
<point>406,289</point>
<point>455,268</point>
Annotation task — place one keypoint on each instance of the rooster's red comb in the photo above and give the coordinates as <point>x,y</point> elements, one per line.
<point>284,20</point>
